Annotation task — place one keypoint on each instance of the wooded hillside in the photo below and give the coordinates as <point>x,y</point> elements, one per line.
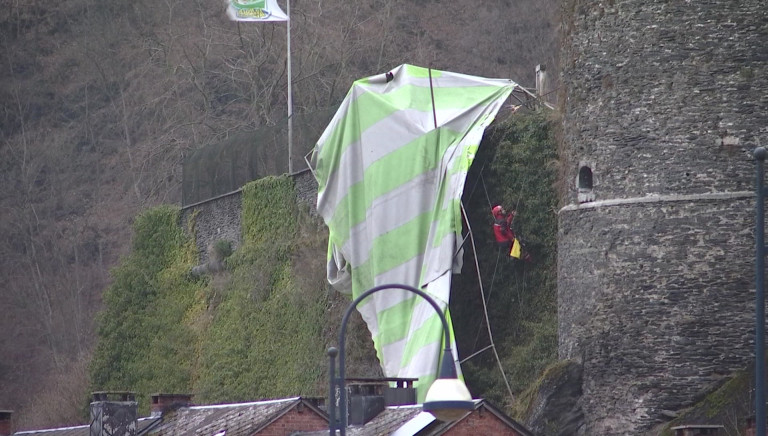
<point>102,100</point>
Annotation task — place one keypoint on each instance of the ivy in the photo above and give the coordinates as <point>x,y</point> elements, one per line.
<point>266,337</point>
<point>145,341</point>
<point>514,167</point>
<point>162,330</point>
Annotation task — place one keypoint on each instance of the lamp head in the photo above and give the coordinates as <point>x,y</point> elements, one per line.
<point>448,399</point>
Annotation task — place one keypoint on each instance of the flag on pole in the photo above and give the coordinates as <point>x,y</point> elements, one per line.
<point>268,11</point>
<point>255,10</point>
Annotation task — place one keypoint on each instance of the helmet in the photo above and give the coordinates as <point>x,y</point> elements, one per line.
<point>496,210</point>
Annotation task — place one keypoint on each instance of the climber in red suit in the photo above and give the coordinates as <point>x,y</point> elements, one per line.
<point>502,226</point>
<point>505,236</point>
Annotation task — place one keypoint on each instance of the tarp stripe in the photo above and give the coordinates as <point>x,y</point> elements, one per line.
<point>387,174</point>
<point>378,115</point>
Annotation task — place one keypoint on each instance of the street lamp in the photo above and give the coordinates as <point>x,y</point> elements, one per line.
<point>447,399</point>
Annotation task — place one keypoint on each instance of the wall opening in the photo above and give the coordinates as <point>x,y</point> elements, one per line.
<point>585,183</point>
<point>585,178</point>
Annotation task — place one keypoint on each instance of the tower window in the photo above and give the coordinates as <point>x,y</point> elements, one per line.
<point>584,184</point>
<point>585,178</point>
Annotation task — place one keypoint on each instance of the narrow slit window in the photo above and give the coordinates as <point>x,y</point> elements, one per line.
<point>585,178</point>
<point>585,185</point>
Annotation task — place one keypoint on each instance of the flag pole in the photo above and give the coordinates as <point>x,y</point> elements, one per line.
<point>290,97</point>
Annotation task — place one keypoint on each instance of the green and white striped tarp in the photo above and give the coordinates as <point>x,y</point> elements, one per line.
<point>390,185</point>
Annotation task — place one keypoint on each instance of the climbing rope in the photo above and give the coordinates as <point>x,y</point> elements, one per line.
<point>490,292</point>
<point>495,267</point>
<point>482,179</point>
<point>492,345</point>
<point>472,193</point>
<point>486,299</point>
<point>493,279</point>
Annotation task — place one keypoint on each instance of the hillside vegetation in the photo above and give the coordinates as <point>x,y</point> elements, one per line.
<point>101,102</point>
<point>260,328</point>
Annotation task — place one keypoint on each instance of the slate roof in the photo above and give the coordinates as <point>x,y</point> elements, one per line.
<point>245,419</point>
<point>410,421</point>
<point>240,419</point>
<point>386,422</point>
<point>389,421</point>
<point>442,427</point>
<point>82,430</point>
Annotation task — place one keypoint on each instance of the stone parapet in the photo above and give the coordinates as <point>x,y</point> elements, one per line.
<point>219,218</point>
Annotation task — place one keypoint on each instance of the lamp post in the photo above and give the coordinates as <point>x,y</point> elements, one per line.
<point>447,399</point>
<point>760,155</point>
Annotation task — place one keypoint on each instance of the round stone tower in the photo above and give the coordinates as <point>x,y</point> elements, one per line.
<point>664,101</point>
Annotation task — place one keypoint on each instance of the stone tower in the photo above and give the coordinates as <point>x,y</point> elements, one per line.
<point>664,101</point>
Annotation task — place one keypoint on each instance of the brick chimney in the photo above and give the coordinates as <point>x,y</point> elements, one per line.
<point>5,422</point>
<point>751,426</point>
<point>114,414</point>
<point>162,403</point>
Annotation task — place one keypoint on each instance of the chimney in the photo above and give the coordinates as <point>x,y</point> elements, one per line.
<point>114,414</point>
<point>162,403</point>
<point>698,430</point>
<point>5,422</point>
<point>400,392</point>
<point>369,397</point>
<point>751,427</point>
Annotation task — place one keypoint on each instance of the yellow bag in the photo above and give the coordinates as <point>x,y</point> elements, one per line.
<point>515,250</point>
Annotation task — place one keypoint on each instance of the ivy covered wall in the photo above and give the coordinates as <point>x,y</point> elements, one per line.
<point>257,329</point>
<point>265,338</point>
<point>515,167</point>
<point>147,335</point>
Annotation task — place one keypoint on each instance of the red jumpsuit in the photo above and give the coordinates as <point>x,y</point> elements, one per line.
<point>502,227</point>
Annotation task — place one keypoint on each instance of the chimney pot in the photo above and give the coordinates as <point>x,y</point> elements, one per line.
<point>5,422</point>
<point>164,402</point>
<point>751,427</point>
<point>367,397</point>
<point>113,414</point>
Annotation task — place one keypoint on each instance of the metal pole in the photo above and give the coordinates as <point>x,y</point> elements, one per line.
<point>290,97</point>
<point>447,353</point>
<point>760,154</point>
<point>332,353</point>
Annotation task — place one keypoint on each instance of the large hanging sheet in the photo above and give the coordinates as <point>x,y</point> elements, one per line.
<point>389,189</point>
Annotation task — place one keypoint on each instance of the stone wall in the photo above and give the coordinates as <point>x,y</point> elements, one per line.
<point>219,217</point>
<point>213,220</point>
<point>306,190</point>
<point>656,300</point>
<point>665,97</point>
<point>664,103</point>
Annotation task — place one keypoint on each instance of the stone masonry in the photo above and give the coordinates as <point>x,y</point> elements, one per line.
<point>219,217</point>
<point>664,102</point>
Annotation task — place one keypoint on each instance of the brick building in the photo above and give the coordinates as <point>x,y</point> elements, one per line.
<point>115,414</point>
<point>176,415</point>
